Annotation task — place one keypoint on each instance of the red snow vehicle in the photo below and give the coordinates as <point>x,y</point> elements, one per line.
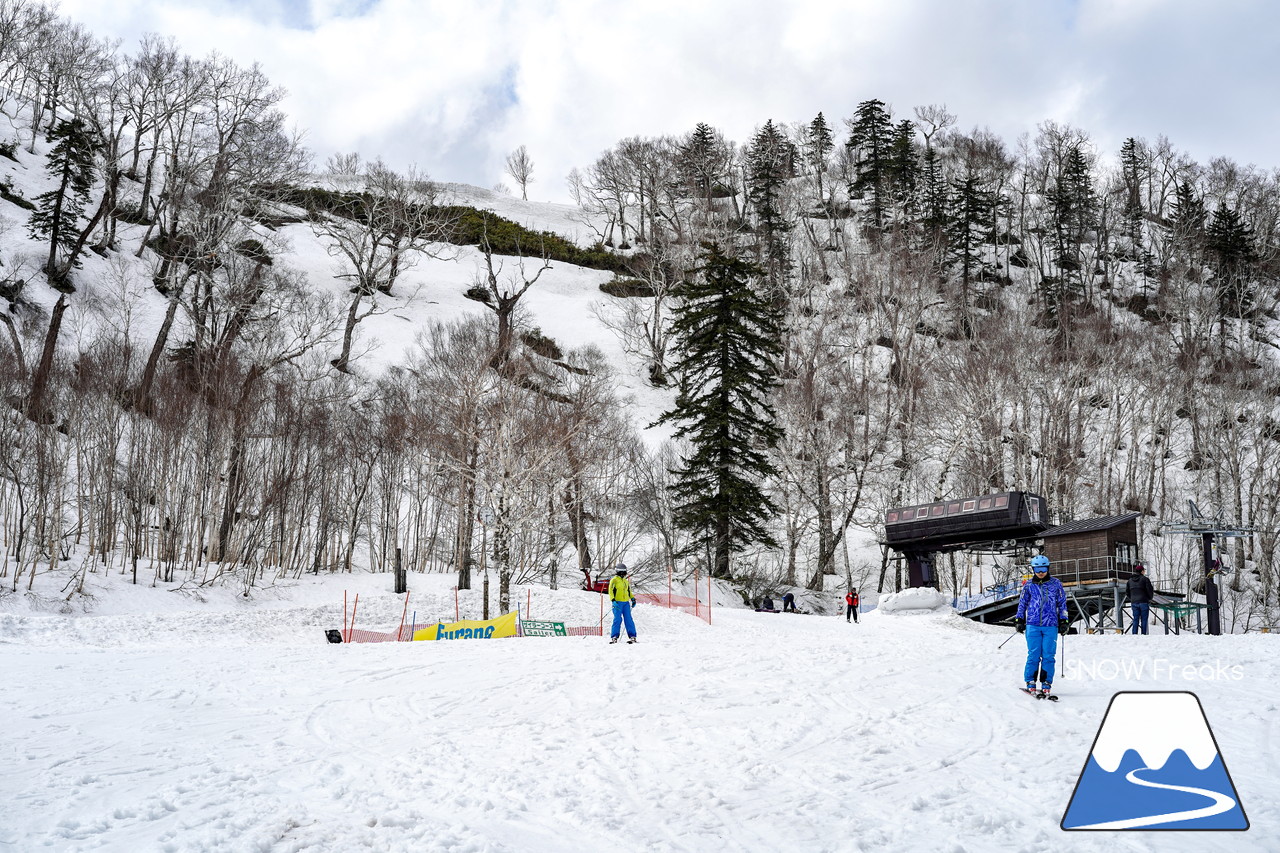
<point>598,585</point>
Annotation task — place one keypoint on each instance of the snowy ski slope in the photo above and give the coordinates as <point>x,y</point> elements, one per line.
<point>161,723</point>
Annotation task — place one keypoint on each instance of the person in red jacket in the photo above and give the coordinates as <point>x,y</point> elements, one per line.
<point>851,606</point>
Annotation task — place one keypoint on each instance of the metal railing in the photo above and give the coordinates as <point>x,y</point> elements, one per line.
<point>1078,572</point>
<point>1088,570</point>
<point>966,601</point>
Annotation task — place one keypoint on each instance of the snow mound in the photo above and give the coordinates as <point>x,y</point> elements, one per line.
<point>922,600</point>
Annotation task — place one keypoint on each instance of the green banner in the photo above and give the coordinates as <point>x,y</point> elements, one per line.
<point>532,628</point>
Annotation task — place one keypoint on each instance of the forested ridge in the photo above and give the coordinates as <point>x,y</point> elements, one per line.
<point>955,314</point>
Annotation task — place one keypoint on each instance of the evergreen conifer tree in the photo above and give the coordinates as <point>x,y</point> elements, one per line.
<point>1073,212</point>
<point>1187,223</point>
<point>700,160</point>
<point>933,198</point>
<point>968,226</point>
<point>818,148</point>
<point>769,165</point>
<point>870,138</point>
<point>903,170</point>
<point>1133,168</point>
<point>1131,165</point>
<point>58,211</point>
<point>727,341</point>
<point>1232,252</point>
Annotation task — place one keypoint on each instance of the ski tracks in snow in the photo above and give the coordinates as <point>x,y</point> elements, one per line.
<point>764,732</point>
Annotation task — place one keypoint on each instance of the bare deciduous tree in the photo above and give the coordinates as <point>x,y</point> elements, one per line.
<point>378,233</point>
<point>520,168</point>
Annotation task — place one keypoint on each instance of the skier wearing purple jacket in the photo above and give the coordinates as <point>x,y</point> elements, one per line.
<point>1042,615</point>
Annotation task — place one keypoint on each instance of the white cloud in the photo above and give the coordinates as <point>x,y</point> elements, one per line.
<point>452,87</point>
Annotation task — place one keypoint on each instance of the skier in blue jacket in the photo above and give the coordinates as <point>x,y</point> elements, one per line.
<point>1042,615</point>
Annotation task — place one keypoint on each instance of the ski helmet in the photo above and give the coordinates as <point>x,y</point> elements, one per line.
<point>621,569</point>
<point>1040,563</point>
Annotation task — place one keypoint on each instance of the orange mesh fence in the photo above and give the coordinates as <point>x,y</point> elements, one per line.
<point>683,603</point>
<point>359,635</point>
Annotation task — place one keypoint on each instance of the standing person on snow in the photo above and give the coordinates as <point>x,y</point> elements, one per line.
<point>1042,615</point>
<point>623,599</point>
<point>1140,593</point>
<point>851,602</point>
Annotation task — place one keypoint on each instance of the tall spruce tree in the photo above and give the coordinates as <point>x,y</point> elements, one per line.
<point>1187,222</point>
<point>701,158</point>
<point>971,209</point>
<point>1132,163</point>
<point>58,211</point>
<point>727,340</point>
<point>933,198</point>
<point>870,138</point>
<point>818,145</point>
<point>1232,252</point>
<point>769,165</point>
<point>903,171</point>
<point>1073,209</point>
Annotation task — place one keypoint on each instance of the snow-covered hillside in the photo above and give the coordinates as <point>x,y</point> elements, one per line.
<point>114,290</point>
<point>231,725</point>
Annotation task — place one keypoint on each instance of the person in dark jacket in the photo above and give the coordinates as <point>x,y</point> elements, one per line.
<point>788,603</point>
<point>1042,616</point>
<point>1140,594</point>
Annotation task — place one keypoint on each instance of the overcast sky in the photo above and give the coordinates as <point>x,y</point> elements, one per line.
<point>452,87</point>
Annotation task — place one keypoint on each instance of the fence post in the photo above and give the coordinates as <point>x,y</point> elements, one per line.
<point>354,606</point>
<point>400,630</point>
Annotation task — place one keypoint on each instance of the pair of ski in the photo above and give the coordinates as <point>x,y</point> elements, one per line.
<point>1036,693</point>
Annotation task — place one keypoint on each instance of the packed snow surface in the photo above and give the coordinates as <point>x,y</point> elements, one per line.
<point>913,601</point>
<point>156,721</point>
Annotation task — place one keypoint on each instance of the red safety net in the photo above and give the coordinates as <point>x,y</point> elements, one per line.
<point>359,635</point>
<point>683,603</point>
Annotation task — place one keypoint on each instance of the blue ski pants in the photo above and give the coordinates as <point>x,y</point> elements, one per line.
<point>1042,650</point>
<point>622,611</point>
<point>1141,612</point>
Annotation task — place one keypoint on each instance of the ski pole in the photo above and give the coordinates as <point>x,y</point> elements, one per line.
<point>1006,639</point>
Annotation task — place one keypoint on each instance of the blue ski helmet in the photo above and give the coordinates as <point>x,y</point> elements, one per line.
<point>1040,563</point>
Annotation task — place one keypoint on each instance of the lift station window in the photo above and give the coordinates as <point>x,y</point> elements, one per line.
<point>953,508</point>
<point>1002,501</point>
<point>969,505</point>
<point>985,503</point>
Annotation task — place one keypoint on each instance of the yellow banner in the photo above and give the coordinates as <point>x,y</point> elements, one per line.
<point>470,629</point>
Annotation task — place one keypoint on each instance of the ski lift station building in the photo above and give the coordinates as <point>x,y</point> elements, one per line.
<point>1093,557</point>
